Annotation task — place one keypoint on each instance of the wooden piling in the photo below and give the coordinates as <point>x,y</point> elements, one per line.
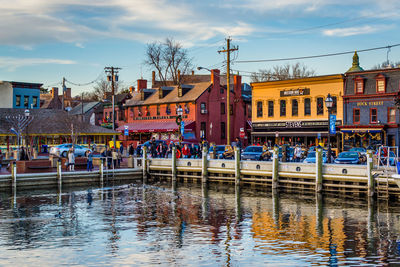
<point>173,164</point>
<point>14,177</point>
<point>237,166</point>
<point>204,165</point>
<point>145,162</point>
<point>102,172</point>
<point>275,167</point>
<point>371,179</point>
<point>59,177</point>
<point>318,170</point>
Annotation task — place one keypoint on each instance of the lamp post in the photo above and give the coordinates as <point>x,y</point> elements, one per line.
<point>179,112</point>
<point>329,104</point>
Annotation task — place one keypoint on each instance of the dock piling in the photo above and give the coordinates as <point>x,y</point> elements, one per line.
<point>14,176</point>
<point>59,178</point>
<point>145,162</point>
<point>318,170</point>
<point>102,172</point>
<point>173,165</point>
<point>237,166</point>
<point>371,179</point>
<point>204,165</point>
<point>275,167</point>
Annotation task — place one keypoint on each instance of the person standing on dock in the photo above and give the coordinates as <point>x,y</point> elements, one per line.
<point>114,155</point>
<point>90,161</point>
<point>153,147</point>
<point>1,159</point>
<point>71,160</point>
<point>131,151</point>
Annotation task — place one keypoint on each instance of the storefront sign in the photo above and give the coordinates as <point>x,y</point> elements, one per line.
<point>294,124</point>
<point>159,117</point>
<point>295,92</point>
<point>373,103</point>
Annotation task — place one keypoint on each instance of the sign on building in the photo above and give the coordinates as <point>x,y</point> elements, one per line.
<point>332,124</point>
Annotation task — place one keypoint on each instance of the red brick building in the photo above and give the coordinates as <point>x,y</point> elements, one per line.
<point>152,112</point>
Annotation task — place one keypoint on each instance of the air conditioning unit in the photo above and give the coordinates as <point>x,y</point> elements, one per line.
<point>204,111</point>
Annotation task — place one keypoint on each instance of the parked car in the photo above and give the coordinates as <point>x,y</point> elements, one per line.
<point>219,150</point>
<point>62,150</point>
<point>348,157</point>
<point>311,157</point>
<point>362,150</point>
<point>252,153</point>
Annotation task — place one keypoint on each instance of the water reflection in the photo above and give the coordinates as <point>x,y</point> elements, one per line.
<point>188,224</point>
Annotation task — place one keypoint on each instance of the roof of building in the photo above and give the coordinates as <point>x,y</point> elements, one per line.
<point>48,102</point>
<point>356,64</point>
<point>87,107</point>
<point>49,122</point>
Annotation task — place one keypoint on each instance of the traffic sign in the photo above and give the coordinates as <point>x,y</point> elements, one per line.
<point>241,134</point>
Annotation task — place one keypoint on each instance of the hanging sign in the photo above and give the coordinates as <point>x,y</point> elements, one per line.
<point>332,124</point>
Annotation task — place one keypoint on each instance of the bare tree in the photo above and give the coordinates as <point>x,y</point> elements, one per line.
<point>102,87</point>
<point>285,72</point>
<point>168,58</point>
<point>386,64</point>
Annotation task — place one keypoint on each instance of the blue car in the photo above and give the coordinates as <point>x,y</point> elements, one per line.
<point>252,153</point>
<point>219,150</point>
<point>348,158</point>
<point>311,157</point>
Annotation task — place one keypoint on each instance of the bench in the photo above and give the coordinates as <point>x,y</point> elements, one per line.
<point>34,166</point>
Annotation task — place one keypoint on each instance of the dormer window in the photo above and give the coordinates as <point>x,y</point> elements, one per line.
<point>359,85</point>
<point>380,84</point>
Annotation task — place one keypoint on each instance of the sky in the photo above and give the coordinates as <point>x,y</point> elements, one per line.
<point>45,40</point>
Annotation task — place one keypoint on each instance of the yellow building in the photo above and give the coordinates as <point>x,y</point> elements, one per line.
<point>294,112</point>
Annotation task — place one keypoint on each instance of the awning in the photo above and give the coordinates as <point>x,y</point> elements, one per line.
<point>249,124</point>
<point>155,126</point>
<point>361,129</point>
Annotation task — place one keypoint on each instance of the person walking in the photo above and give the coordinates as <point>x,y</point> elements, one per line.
<point>71,160</point>
<point>139,150</point>
<point>114,155</point>
<point>89,161</point>
<point>109,158</point>
<point>121,149</point>
<point>186,151</point>
<point>131,151</point>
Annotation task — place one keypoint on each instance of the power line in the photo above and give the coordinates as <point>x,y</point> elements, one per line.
<point>85,84</point>
<point>316,56</point>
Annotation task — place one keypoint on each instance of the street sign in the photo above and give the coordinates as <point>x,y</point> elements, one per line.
<point>319,136</point>
<point>241,134</point>
<point>182,127</point>
<point>126,130</point>
<point>332,124</point>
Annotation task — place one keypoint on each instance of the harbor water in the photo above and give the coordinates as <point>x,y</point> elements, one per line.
<point>188,224</point>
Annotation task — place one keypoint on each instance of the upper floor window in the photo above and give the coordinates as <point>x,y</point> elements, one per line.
<point>380,84</point>
<point>249,110</point>
<point>307,106</point>
<point>18,100</point>
<point>359,85</point>
<point>334,105</point>
<point>187,108</point>
<point>231,109</point>
<point>283,107</point>
<point>222,108</point>
<point>147,111</point>
<point>270,108</point>
<point>373,115</point>
<point>139,111</point>
<point>35,101</point>
<point>223,130</point>
<point>295,107</point>
<point>391,115</point>
<point>203,108</point>
<point>26,101</point>
<point>320,106</point>
<point>168,109</point>
<point>259,109</point>
<point>356,116</point>
<point>158,110</point>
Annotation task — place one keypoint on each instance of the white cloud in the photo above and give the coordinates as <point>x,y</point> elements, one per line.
<point>344,32</point>
<point>12,63</point>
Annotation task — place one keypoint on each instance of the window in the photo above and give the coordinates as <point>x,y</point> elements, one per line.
<point>222,108</point>
<point>18,100</point>
<point>168,109</point>
<point>132,112</point>
<point>380,84</point>
<point>283,108</point>
<point>231,109</point>
<point>223,135</point>
<point>359,85</point>
<point>295,107</point>
<point>320,106</point>
<point>259,109</point>
<point>221,90</point>
<point>373,115</point>
<point>391,115</point>
<point>139,111</point>
<point>249,110</point>
<point>158,110</point>
<point>307,107</point>
<point>270,108</point>
<point>35,101</point>
<point>203,109</point>
<point>26,101</point>
<point>203,130</point>
<point>147,111</point>
<point>334,105</point>
<point>356,116</point>
<point>187,108</point>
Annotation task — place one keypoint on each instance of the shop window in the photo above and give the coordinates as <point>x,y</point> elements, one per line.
<point>158,110</point>
<point>259,109</point>
<point>295,107</point>
<point>307,107</point>
<point>359,85</point>
<point>26,101</point>
<point>356,116</point>
<point>373,115</point>
<point>270,108</point>
<point>223,130</point>
<point>203,108</point>
<point>283,108</point>
<point>203,130</point>
<point>18,100</point>
<point>320,106</point>
<point>391,115</point>
<point>380,84</point>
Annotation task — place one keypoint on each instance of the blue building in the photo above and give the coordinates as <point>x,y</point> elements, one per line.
<point>370,114</point>
<point>20,95</point>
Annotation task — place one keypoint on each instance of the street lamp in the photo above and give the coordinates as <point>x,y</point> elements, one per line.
<point>329,104</point>
<point>179,112</point>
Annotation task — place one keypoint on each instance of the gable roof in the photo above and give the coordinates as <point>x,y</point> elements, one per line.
<point>87,107</point>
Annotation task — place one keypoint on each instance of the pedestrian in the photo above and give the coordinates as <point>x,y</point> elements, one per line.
<point>89,161</point>
<point>153,147</point>
<point>119,160</point>
<point>171,145</point>
<point>71,159</point>
<point>160,150</point>
<point>109,158</point>
<point>114,156</point>
<point>1,160</point>
<point>139,150</point>
<point>131,150</point>
<point>22,154</point>
<point>121,149</point>
<point>297,153</point>
<point>186,151</point>
<point>238,144</point>
<point>165,150</point>
<point>192,151</point>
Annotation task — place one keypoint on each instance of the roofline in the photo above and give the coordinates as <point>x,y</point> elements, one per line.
<point>301,80</point>
<point>371,71</point>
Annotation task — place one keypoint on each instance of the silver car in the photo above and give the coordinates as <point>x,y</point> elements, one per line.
<point>62,150</point>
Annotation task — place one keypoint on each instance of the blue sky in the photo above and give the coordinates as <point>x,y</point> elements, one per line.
<point>45,40</point>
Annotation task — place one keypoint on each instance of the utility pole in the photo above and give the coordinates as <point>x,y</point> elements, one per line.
<point>112,75</point>
<point>63,92</point>
<point>228,51</point>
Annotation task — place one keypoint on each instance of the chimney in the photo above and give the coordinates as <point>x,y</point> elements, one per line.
<point>237,85</point>
<point>141,84</point>
<point>192,72</point>
<point>153,79</point>
<point>131,89</point>
<point>54,92</point>
<point>67,93</point>
<point>179,76</point>
<point>215,77</point>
